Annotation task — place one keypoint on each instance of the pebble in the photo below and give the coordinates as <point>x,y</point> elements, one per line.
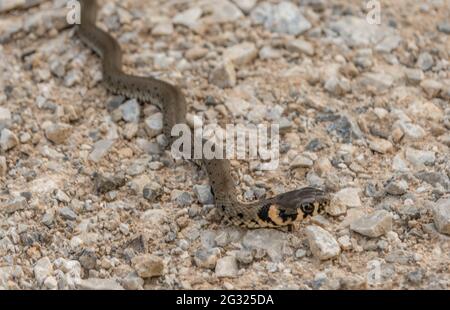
<point>13,205</point>
<point>204,194</point>
<point>100,149</point>
<point>163,29</point>
<point>444,27</point>
<point>284,17</point>
<point>148,266</point>
<point>269,240</point>
<point>5,118</point>
<point>373,225</point>
<point>99,284</point>
<point>196,53</point>
<point>441,215</point>
<point>206,258</point>
<point>241,54</point>
<point>301,161</point>
<point>389,43</point>
<point>8,140</point>
<point>356,31</point>
<point>411,131</point>
<point>431,87</point>
<point>68,214</point>
<point>181,198</point>
<point>3,166</point>
<point>42,269</point>
<point>131,110</point>
<point>379,145</point>
<point>434,178</point>
<point>152,191</point>
<point>106,183</point>
<point>396,187</point>
<point>188,18</point>
<point>419,157</point>
<point>425,61</point>
<point>244,256</point>
<point>322,243</point>
<point>225,11</point>
<point>88,259</point>
<point>51,283</point>
<point>224,76</point>
<point>133,282</point>
<point>245,5</point>
<point>300,46</point>
<point>345,242</point>
<point>154,124</point>
<point>414,76</point>
<point>377,81</point>
<point>226,267</point>
<point>348,197</point>
<point>58,133</point>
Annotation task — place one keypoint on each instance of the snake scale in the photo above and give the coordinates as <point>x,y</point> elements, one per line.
<point>281,210</point>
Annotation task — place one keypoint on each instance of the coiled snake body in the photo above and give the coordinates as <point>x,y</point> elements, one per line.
<point>281,210</point>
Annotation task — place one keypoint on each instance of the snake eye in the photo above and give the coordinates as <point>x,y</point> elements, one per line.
<point>307,208</point>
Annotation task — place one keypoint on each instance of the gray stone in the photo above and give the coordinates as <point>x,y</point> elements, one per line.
<point>88,259</point>
<point>244,256</point>
<point>425,61</point>
<point>8,140</point>
<point>322,243</point>
<point>396,187</point>
<point>412,131</point>
<point>226,267</point>
<point>414,76</point>
<point>441,215</point>
<point>163,29</point>
<point>377,81</point>
<point>224,12</point>
<point>271,241</point>
<point>47,219</point>
<point>431,87</point>
<point>132,282</point>
<point>13,205</point>
<point>206,258</point>
<point>379,145</point>
<point>204,194</point>
<point>348,197</point>
<point>389,43</point>
<point>181,198</point>
<point>3,166</point>
<point>373,225</point>
<point>148,265</point>
<point>224,76</point>
<point>301,161</point>
<point>100,149</point>
<point>68,214</point>
<point>5,118</point>
<point>154,124</point>
<point>444,27</point>
<point>284,17</point>
<point>419,157</point>
<point>42,269</point>
<point>300,46</point>
<point>241,54</point>
<point>131,110</point>
<point>434,178</point>
<point>188,18</point>
<point>99,284</point>
<point>245,5</point>
<point>152,191</point>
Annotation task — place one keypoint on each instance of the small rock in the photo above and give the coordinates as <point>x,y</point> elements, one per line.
<point>154,124</point>
<point>300,46</point>
<point>5,117</point>
<point>42,269</point>
<point>348,197</point>
<point>88,259</point>
<point>196,53</point>
<point>68,214</point>
<point>300,253</point>
<point>148,266</point>
<point>224,12</point>
<point>425,61</point>
<point>204,194</point>
<point>181,198</point>
<point>345,242</point>
<point>14,205</point>
<point>269,240</point>
<point>411,131</point>
<point>100,149</point>
<point>301,161</point>
<point>419,157</point>
<point>51,283</point>
<point>58,133</point>
<point>131,110</point>
<point>3,166</point>
<point>224,76</point>
<point>188,18</point>
<point>322,243</point>
<point>152,191</point>
<point>414,76</point>
<point>431,87</point>
<point>132,282</point>
<point>396,187</point>
<point>206,258</point>
<point>241,54</point>
<point>105,183</point>
<point>441,215</point>
<point>284,17</point>
<point>163,29</point>
<point>444,27</point>
<point>244,256</point>
<point>226,267</point>
<point>373,225</point>
<point>380,145</point>
<point>8,140</point>
<point>245,5</point>
<point>99,284</point>
<point>376,81</point>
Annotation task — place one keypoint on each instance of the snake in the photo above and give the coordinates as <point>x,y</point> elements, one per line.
<point>281,210</point>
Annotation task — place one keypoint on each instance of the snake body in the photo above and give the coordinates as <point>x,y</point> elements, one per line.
<point>281,210</point>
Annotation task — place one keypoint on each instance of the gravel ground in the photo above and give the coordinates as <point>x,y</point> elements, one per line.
<point>90,198</point>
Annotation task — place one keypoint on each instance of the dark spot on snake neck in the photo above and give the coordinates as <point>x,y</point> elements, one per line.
<point>263,214</point>
<point>288,216</point>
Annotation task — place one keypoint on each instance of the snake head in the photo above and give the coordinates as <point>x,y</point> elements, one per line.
<point>309,201</point>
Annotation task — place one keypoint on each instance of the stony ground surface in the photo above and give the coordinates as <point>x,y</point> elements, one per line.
<point>91,199</point>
